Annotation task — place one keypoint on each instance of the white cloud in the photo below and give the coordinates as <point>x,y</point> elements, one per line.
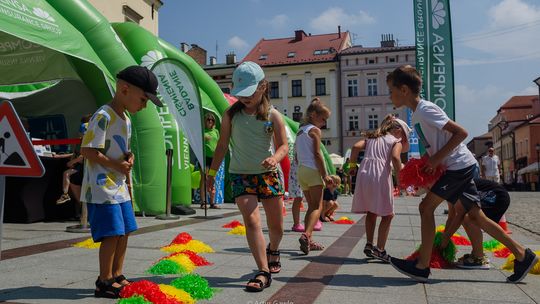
<point>475,108</point>
<point>512,32</point>
<point>532,90</point>
<point>277,22</point>
<point>237,43</point>
<point>334,16</point>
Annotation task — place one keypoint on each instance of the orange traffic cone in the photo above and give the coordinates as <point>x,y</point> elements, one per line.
<point>302,206</point>
<point>504,225</point>
<point>283,209</point>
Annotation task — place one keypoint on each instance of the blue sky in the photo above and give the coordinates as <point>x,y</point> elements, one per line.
<point>496,42</point>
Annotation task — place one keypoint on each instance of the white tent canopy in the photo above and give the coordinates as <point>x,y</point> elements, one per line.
<point>532,168</point>
<point>337,160</point>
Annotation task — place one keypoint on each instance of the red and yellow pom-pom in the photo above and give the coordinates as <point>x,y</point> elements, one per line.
<point>193,256</point>
<point>177,294</point>
<point>238,230</point>
<point>344,221</point>
<point>193,245</point>
<point>502,253</point>
<point>150,291</point>
<point>182,238</point>
<point>412,174</point>
<point>232,224</point>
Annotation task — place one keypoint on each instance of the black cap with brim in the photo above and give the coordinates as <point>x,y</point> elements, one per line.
<point>142,78</point>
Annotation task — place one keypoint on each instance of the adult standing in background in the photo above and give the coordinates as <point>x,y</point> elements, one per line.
<point>491,166</point>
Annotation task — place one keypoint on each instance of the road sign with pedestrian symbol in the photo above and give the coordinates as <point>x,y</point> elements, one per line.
<point>17,155</point>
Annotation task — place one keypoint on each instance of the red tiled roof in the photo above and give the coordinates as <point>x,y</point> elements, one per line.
<point>519,108</point>
<point>358,49</point>
<point>520,101</point>
<point>277,50</point>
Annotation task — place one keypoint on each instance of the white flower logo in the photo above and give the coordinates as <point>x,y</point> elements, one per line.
<point>438,13</point>
<point>42,14</point>
<point>150,58</point>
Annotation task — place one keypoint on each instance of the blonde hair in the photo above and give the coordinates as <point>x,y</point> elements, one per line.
<point>387,125</point>
<point>316,106</point>
<point>336,179</point>
<point>263,108</point>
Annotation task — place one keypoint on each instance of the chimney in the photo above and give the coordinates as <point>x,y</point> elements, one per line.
<point>184,47</point>
<point>299,34</point>
<point>213,60</point>
<point>230,58</point>
<point>339,31</point>
<point>387,40</point>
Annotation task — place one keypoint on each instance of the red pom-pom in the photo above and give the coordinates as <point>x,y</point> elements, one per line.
<point>461,240</point>
<point>193,256</point>
<point>182,238</point>
<point>233,224</point>
<point>502,253</point>
<point>196,259</point>
<point>436,261</point>
<point>413,175</point>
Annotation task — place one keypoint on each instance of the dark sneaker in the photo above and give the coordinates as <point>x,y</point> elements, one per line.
<point>469,261</point>
<point>381,255</point>
<point>409,269</point>
<point>368,250</point>
<point>522,268</point>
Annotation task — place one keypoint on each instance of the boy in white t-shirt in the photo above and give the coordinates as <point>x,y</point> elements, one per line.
<point>106,182</point>
<point>443,140</point>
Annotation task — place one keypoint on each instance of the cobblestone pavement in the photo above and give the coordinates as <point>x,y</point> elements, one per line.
<point>524,211</point>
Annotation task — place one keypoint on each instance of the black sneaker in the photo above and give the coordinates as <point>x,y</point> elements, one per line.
<point>409,269</point>
<point>522,268</point>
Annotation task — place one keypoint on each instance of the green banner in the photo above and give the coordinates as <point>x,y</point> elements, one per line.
<point>434,58</point>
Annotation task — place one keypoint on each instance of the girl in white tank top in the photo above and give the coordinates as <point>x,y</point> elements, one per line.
<point>311,170</point>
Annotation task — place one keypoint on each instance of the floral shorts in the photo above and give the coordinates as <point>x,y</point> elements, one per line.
<point>265,185</point>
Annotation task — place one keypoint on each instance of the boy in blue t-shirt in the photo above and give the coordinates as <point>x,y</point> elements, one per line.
<point>443,140</point>
<point>106,182</point>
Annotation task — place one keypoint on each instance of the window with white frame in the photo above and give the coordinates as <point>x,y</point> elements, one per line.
<point>373,121</point>
<point>354,122</point>
<point>296,88</point>
<point>320,86</point>
<point>353,87</point>
<point>372,86</point>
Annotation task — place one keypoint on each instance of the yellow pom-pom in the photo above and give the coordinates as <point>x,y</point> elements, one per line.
<point>88,243</point>
<point>177,294</point>
<point>185,261</point>
<point>440,228</point>
<point>193,245</point>
<point>509,264</point>
<point>239,230</point>
<point>343,218</point>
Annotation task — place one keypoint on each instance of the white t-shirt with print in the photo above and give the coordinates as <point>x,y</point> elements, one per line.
<point>428,121</point>
<point>109,133</point>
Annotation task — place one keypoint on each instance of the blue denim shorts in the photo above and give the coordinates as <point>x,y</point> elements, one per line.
<point>108,220</point>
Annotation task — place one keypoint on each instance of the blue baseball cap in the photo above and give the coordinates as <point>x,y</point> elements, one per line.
<point>246,78</point>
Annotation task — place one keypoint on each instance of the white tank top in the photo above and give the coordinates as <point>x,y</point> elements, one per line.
<point>304,147</point>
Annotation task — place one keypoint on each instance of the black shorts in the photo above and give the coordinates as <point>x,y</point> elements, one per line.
<point>77,177</point>
<point>495,211</point>
<point>457,185</point>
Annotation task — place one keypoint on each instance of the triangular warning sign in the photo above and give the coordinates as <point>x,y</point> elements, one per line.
<point>17,155</point>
